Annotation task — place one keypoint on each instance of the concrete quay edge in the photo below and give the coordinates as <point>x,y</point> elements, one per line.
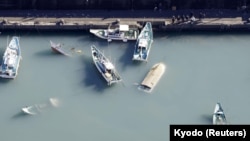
<point>162,24</point>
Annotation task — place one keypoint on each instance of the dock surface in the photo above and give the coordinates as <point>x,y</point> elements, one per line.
<point>226,20</point>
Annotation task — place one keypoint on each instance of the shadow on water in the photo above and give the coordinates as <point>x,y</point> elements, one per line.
<point>5,80</point>
<point>93,76</point>
<point>2,50</point>
<point>47,53</point>
<point>126,58</point>
<point>207,119</point>
<point>20,115</point>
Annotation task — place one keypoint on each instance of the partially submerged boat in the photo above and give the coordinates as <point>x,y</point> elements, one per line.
<point>123,32</point>
<point>38,108</point>
<point>11,59</point>
<point>30,110</point>
<point>143,43</point>
<point>152,77</point>
<point>219,115</point>
<point>105,66</point>
<point>57,47</point>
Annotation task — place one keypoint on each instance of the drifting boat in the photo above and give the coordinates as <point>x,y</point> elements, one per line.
<point>143,43</point>
<point>57,47</point>
<point>152,77</point>
<point>219,115</point>
<point>11,59</point>
<point>104,66</point>
<point>38,108</point>
<point>31,110</point>
<point>123,32</point>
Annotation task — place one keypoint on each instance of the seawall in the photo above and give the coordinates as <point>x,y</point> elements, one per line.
<point>102,19</point>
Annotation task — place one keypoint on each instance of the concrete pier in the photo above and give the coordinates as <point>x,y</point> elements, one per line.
<point>75,20</point>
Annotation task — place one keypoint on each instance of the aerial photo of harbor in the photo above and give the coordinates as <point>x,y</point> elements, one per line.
<point>121,70</point>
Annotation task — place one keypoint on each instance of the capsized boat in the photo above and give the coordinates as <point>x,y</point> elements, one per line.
<point>143,43</point>
<point>219,115</point>
<point>105,66</point>
<point>57,47</point>
<point>152,77</point>
<point>11,59</point>
<point>123,32</point>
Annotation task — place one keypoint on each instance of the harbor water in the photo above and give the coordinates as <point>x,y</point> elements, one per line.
<point>201,70</point>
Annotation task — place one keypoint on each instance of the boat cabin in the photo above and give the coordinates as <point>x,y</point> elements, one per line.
<point>118,31</point>
<point>142,45</point>
<point>109,67</point>
<point>124,28</point>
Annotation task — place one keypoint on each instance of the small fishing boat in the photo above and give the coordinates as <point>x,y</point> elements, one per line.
<point>123,32</point>
<point>152,77</point>
<point>38,108</point>
<point>104,66</point>
<point>143,43</point>
<point>219,115</point>
<point>11,59</point>
<point>57,47</point>
<point>31,110</point>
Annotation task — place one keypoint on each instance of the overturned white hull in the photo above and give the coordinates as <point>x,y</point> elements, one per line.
<point>152,77</point>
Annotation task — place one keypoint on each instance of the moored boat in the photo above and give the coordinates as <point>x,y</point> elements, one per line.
<point>143,43</point>
<point>105,66</point>
<point>57,47</point>
<point>11,59</point>
<point>152,77</point>
<point>219,115</point>
<point>123,32</point>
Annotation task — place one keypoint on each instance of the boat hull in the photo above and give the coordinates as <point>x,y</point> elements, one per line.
<point>219,117</point>
<point>29,110</point>
<point>143,43</point>
<point>39,108</point>
<point>11,59</point>
<point>152,77</point>
<point>58,49</point>
<point>110,34</point>
<point>105,67</point>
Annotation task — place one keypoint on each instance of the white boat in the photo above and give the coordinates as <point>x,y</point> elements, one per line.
<point>219,115</point>
<point>123,32</point>
<point>57,47</point>
<point>31,110</point>
<point>11,59</point>
<point>143,43</point>
<point>38,108</point>
<point>105,66</point>
<point>152,77</point>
